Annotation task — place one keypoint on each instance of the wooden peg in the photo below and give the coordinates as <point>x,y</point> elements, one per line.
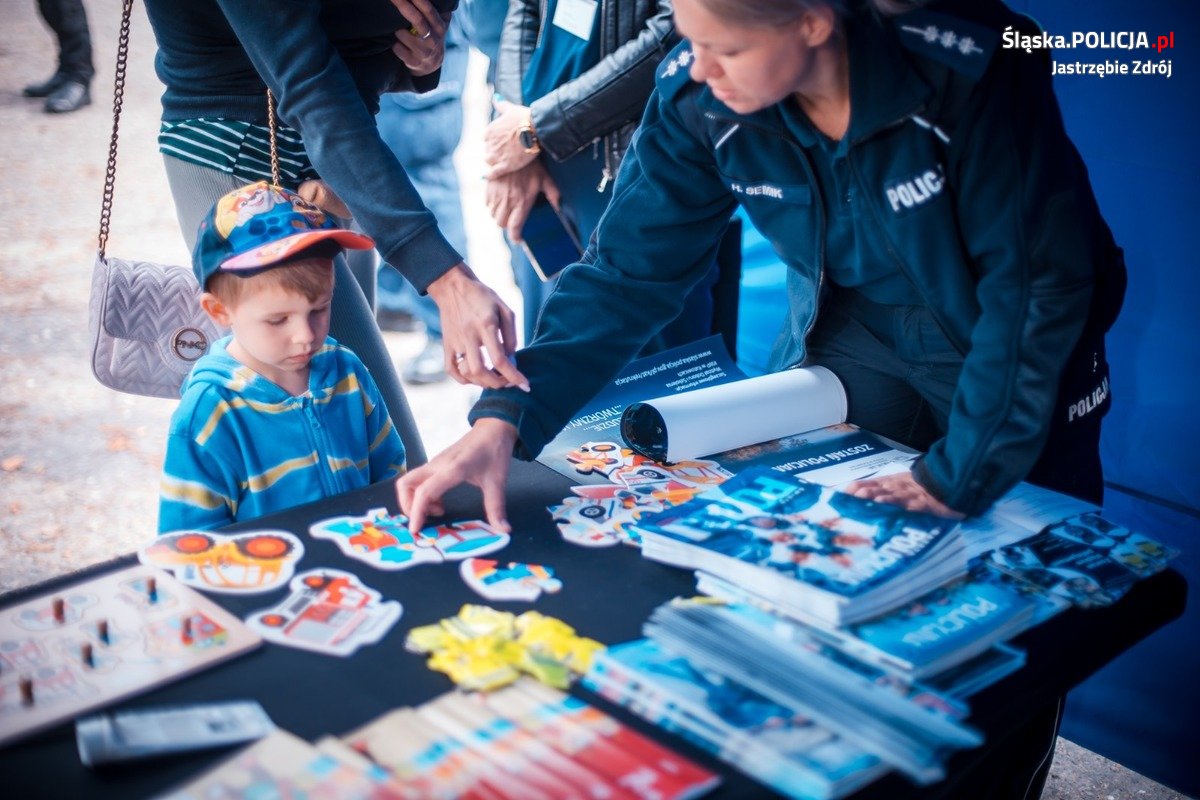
<point>152,589</point>
<point>87,656</point>
<point>102,631</point>
<point>186,630</point>
<point>60,610</point>
<point>26,685</point>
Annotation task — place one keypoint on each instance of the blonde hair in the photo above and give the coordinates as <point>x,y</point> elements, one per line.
<point>311,276</point>
<point>770,13</point>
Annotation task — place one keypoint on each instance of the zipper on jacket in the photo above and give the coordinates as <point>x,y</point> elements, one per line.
<point>887,240</point>
<point>821,233</point>
<point>317,439</point>
<point>818,206</point>
<point>605,176</point>
<point>601,144</point>
<point>542,6</point>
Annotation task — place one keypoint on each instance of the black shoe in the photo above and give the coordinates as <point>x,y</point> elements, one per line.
<point>45,88</point>
<point>71,96</point>
<point>398,321</point>
<point>429,366</point>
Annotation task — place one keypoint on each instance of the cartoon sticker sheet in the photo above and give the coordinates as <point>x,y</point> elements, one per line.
<point>383,540</point>
<point>589,523</point>
<point>328,611</point>
<point>601,516</point>
<point>622,466</point>
<point>458,540</point>
<point>511,581</point>
<point>253,562</point>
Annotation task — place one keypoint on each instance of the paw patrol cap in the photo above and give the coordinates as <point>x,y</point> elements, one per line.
<point>259,225</point>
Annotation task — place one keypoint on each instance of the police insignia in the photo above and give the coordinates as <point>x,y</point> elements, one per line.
<point>959,44</point>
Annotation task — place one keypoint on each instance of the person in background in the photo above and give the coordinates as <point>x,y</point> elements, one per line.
<point>423,131</point>
<point>277,414</point>
<point>946,256</point>
<point>570,89</point>
<point>69,88</point>
<point>326,63</point>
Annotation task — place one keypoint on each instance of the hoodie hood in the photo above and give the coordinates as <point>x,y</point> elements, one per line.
<point>220,369</point>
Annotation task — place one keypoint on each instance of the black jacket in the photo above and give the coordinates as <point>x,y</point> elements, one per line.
<point>606,101</point>
<point>327,61</point>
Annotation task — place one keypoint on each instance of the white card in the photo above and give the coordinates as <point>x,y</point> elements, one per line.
<point>576,17</point>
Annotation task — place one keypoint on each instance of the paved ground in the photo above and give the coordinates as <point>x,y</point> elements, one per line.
<point>79,463</point>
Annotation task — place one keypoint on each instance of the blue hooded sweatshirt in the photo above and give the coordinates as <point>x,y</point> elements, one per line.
<point>240,446</point>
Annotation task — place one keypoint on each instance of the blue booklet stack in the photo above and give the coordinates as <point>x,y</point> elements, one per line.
<point>822,556</point>
<point>843,636</point>
<point>776,745</point>
<point>905,724</point>
<point>942,629</point>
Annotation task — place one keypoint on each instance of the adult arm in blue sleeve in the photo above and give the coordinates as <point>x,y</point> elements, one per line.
<point>1028,219</point>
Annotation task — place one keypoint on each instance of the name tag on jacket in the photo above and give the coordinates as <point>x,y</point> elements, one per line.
<point>576,17</point>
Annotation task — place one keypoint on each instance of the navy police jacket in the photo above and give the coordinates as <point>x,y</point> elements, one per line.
<point>969,184</point>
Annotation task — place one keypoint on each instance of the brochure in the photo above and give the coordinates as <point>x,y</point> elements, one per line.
<point>767,741</point>
<point>827,557</point>
<point>586,448</point>
<point>935,632</point>
<point>1086,559</point>
<point>904,723</point>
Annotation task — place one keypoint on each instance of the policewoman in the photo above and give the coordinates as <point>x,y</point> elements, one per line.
<point>947,259</point>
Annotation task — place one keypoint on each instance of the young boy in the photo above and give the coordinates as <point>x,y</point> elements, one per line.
<point>278,414</point>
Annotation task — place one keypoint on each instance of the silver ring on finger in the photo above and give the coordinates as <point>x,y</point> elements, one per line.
<point>427,35</point>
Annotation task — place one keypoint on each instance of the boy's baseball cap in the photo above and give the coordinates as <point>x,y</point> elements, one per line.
<point>260,225</point>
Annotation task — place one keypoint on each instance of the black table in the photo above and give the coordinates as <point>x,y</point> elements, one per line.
<point>607,595</point>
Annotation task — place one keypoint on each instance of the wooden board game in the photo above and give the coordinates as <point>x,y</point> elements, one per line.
<point>99,641</point>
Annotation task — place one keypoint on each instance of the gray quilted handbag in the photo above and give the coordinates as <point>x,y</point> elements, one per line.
<point>144,319</point>
<point>146,326</point>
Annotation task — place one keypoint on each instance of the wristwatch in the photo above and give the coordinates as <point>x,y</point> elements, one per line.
<point>527,137</point>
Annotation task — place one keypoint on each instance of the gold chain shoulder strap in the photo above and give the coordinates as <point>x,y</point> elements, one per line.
<point>274,150</point>
<point>110,174</point>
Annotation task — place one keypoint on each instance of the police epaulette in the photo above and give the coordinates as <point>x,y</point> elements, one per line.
<point>673,71</point>
<point>960,44</point>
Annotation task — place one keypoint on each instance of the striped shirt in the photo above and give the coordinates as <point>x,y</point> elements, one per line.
<point>241,149</point>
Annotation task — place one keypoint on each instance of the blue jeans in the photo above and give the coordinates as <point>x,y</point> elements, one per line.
<point>423,131</point>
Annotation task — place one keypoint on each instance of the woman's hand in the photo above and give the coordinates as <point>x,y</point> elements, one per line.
<point>423,45</point>
<point>502,150</point>
<point>479,458</point>
<point>511,196</point>
<point>902,490</point>
<point>476,325</point>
